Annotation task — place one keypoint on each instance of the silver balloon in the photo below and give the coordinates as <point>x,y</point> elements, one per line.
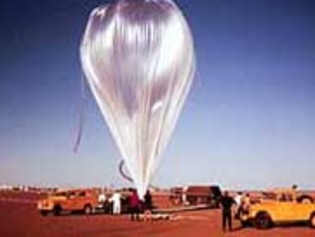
<point>138,57</point>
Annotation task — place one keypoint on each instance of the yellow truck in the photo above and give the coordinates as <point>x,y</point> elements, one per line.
<point>282,207</point>
<point>79,200</point>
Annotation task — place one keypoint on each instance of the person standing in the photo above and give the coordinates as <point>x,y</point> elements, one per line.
<point>226,204</point>
<point>238,201</point>
<point>294,192</point>
<point>148,206</point>
<point>116,200</point>
<point>246,203</point>
<point>134,205</point>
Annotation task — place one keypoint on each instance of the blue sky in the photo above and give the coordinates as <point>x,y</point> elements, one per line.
<point>248,121</point>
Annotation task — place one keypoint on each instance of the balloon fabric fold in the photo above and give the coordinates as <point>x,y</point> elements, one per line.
<point>138,58</point>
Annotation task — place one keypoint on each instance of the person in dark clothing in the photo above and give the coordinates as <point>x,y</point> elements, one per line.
<point>134,205</point>
<point>148,200</point>
<point>148,206</point>
<point>226,204</point>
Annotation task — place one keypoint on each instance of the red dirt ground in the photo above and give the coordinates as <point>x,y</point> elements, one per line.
<point>19,218</point>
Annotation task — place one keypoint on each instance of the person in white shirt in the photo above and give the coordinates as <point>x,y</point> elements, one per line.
<point>116,200</point>
<point>238,200</point>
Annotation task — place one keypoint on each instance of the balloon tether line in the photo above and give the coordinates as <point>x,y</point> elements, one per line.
<point>122,172</point>
<point>80,131</point>
<point>125,176</point>
<point>81,117</point>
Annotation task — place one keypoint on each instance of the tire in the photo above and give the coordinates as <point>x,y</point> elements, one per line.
<point>312,220</point>
<point>262,221</point>
<point>57,210</point>
<point>88,209</point>
<point>245,224</point>
<point>44,213</point>
<point>305,199</point>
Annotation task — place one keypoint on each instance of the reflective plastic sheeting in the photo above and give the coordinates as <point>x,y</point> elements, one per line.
<point>138,58</point>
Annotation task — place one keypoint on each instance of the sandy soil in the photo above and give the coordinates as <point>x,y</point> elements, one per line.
<point>19,218</point>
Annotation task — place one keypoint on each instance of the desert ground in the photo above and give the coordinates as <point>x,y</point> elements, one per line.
<point>20,218</point>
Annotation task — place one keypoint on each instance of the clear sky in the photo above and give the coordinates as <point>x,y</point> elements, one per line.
<point>249,121</point>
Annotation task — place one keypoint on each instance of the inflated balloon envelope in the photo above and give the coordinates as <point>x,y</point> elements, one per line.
<point>138,58</point>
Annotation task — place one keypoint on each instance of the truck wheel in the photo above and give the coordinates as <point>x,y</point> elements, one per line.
<point>88,209</point>
<point>312,220</point>
<point>245,224</point>
<point>57,210</point>
<point>44,213</point>
<point>306,199</point>
<point>262,220</point>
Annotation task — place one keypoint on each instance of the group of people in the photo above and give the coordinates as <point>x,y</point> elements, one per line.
<point>237,205</point>
<point>241,204</point>
<point>134,203</point>
<point>136,206</point>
